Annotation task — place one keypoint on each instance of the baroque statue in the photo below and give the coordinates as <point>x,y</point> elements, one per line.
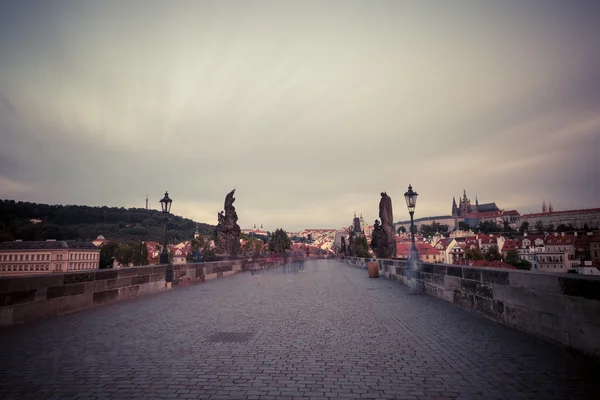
<point>227,230</point>
<point>383,240</point>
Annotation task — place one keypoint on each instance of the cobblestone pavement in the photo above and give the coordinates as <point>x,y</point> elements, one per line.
<point>328,332</point>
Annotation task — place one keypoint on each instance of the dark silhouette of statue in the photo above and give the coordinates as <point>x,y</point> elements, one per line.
<point>227,230</point>
<point>383,240</point>
<point>343,246</point>
<point>351,248</point>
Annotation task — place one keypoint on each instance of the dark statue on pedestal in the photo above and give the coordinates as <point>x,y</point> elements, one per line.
<point>351,248</point>
<point>343,246</point>
<point>383,240</point>
<point>227,230</point>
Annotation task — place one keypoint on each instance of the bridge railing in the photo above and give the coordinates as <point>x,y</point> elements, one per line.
<point>564,308</point>
<point>28,298</point>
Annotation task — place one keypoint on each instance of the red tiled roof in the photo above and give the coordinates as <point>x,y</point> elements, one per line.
<point>511,212</point>
<point>558,240</point>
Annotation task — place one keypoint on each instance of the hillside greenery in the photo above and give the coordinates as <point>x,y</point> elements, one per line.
<point>72,222</point>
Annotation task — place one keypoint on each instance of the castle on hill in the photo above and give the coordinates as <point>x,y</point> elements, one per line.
<point>465,210</point>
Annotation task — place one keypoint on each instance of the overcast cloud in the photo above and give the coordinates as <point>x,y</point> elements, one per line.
<point>310,109</point>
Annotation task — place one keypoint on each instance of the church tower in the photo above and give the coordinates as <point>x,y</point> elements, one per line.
<point>465,205</point>
<point>454,207</point>
<point>197,233</point>
<point>544,208</point>
<point>550,208</point>
<point>476,205</point>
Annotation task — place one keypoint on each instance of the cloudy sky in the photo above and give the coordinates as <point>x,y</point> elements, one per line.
<point>309,108</point>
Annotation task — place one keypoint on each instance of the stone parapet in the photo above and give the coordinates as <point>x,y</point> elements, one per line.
<point>563,308</point>
<point>28,298</point>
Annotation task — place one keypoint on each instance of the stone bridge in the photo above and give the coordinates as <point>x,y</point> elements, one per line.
<point>318,329</point>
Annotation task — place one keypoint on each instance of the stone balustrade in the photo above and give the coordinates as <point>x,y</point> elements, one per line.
<point>563,308</point>
<point>28,298</point>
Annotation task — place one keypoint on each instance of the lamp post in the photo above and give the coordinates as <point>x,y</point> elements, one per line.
<point>411,202</point>
<point>413,271</point>
<point>165,204</point>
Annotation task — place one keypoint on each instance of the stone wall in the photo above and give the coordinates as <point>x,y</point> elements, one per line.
<point>564,308</point>
<point>28,298</point>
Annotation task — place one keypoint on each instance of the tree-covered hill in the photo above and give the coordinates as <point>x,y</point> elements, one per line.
<point>86,223</point>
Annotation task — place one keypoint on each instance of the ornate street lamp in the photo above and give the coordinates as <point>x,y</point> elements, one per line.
<point>411,202</point>
<point>165,204</point>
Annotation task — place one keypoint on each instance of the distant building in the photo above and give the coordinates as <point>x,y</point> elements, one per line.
<point>577,218</point>
<point>46,257</point>
<point>98,241</point>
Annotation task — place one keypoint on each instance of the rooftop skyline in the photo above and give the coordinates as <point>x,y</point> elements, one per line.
<point>309,109</point>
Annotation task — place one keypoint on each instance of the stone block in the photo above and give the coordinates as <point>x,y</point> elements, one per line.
<point>468,286</point>
<point>534,280</point>
<point>65,290</point>
<point>472,273</point>
<point>583,310</point>
<point>100,286</point>
<point>151,287</point>
<point>140,279</point>
<point>586,287</point>
<point>484,290</point>
<point>452,282</point>
<point>210,276</point>
<point>76,302</point>
<point>485,305</point>
<point>439,269</point>
<point>427,268</point>
<point>157,277</point>
<point>494,276</point>
<point>34,311</point>
<point>77,277</point>
<point>584,337</point>
<point>437,279</point>
<point>17,297</point>
<point>455,271</point>
<point>107,295</point>
<point>159,269</point>
<point>463,299</point>
<point>118,283</point>
<point>127,272</point>
<point>107,274</point>
<point>128,292</point>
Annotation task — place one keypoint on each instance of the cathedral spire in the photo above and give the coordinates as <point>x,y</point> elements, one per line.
<point>550,208</point>
<point>544,208</point>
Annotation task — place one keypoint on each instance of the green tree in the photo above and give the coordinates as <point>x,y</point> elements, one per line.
<point>279,242</point>
<point>507,227</point>
<point>463,226</point>
<point>489,227</point>
<point>524,227</point>
<point>139,253</point>
<point>474,254</point>
<point>562,228</point>
<point>124,254</point>
<point>402,229</point>
<point>524,264</point>
<point>362,247</point>
<point>493,254</point>
<point>512,258</point>
<point>539,227</point>
<point>107,254</point>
